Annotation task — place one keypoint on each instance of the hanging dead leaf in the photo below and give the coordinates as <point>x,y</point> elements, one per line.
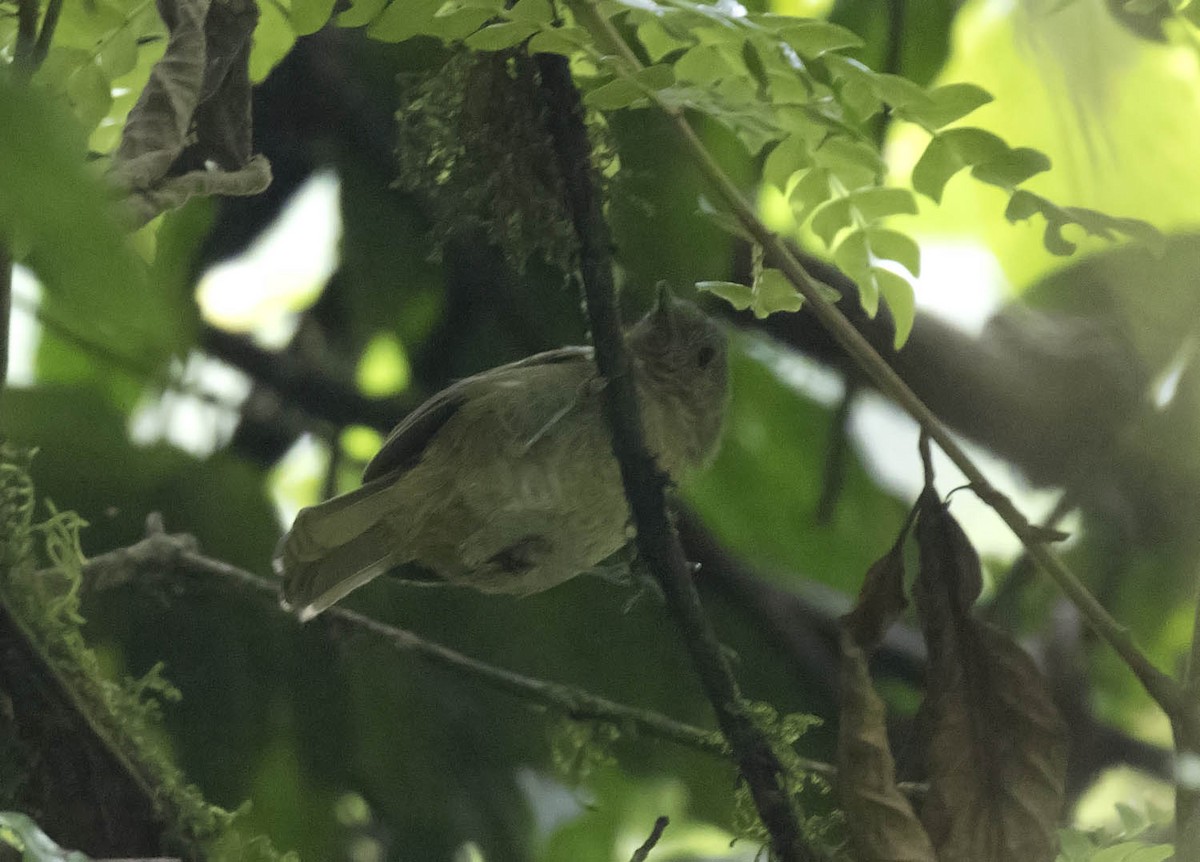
<point>880,821</point>
<point>190,131</point>
<point>997,744</point>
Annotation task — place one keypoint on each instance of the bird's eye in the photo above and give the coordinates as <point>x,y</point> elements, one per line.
<point>705,356</point>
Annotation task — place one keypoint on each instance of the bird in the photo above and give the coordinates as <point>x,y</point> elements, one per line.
<point>506,481</point>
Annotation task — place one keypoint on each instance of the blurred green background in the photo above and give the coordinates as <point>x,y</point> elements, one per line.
<point>139,400</point>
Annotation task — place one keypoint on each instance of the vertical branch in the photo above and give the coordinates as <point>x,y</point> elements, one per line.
<point>49,23</point>
<point>26,44</point>
<point>644,484</point>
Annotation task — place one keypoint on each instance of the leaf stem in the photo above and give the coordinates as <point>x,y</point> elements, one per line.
<point>1162,688</point>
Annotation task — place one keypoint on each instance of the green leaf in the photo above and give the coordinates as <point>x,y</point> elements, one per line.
<point>657,41</point>
<point>789,156</point>
<point>812,39</point>
<point>532,11</point>
<point>854,259</point>
<point>457,24</point>
<point>948,153</point>
<point>119,54</point>
<point>946,104</point>
<point>361,13</point>
<point>273,39</point>
<point>1012,168</point>
<point>831,219</point>
<point>655,77</point>
<point>402,19</point>
<point>65,216</point>
<point>754,64</point>
<point>309,16</point>
<point>616,94</point>
<point>497,37</point>
<point>1024,204</point>
<point>774,292</point>
<point>881,202</point>
<point>897,292</point>
<point>558,40</point>
<point>623,92</point>
<point>738,295</point>
<point>810,192</point>
<point>899,92</point>
<point>893,245</point>
<point>90,95</point>
<point>855,164</point>
<point>1132,851</point>
<point>703,65</point>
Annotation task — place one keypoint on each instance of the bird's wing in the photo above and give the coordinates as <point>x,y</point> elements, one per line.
<point>408,440</point>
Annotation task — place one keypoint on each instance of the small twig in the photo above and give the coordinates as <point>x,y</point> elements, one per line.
<point>643,852</point>
<point>644,484</point>
<point>49,23</point>
<point>1160,686</point>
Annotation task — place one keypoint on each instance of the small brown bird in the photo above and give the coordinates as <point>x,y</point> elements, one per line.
<point>506,481</point>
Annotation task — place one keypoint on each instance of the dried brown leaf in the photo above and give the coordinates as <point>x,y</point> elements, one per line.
<point>997,750</point>
<point>881,598</point>
<point>190,131</point>
<point>880,821</point>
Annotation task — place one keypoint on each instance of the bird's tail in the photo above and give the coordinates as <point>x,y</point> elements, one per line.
<point>335,547</point>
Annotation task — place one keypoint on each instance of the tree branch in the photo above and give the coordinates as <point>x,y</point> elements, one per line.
<point>657,543</point>
<point>1161,687</point>
<point>313,389</point>
<point>643,852</point>
<point>160,554</point>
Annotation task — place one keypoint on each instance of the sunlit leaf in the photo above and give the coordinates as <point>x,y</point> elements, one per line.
<point>946,104</point>
<point>740,296</point>
<point>948,153</point>
<point>774,292</point>
<point>403,19</point>
<point>557,40</point>
<point>1012,168</point>
<point>497,37</point>
<point>309,16</point>
<point>533,11</point>
<point>893,245</point>
<point>360,13</point>
<point>788,157</point>
<point>897,292</point>
<point>817,38</point>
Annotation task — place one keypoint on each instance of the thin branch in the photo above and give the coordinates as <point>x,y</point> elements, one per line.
<point>161,554</point>
<point>1160,686</point>
<point>26,44</point>
<point>643,852</point>
<point>644,485</point>
<point>49,23</point>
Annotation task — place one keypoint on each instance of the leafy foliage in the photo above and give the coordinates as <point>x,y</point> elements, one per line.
<point>783,85</point>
